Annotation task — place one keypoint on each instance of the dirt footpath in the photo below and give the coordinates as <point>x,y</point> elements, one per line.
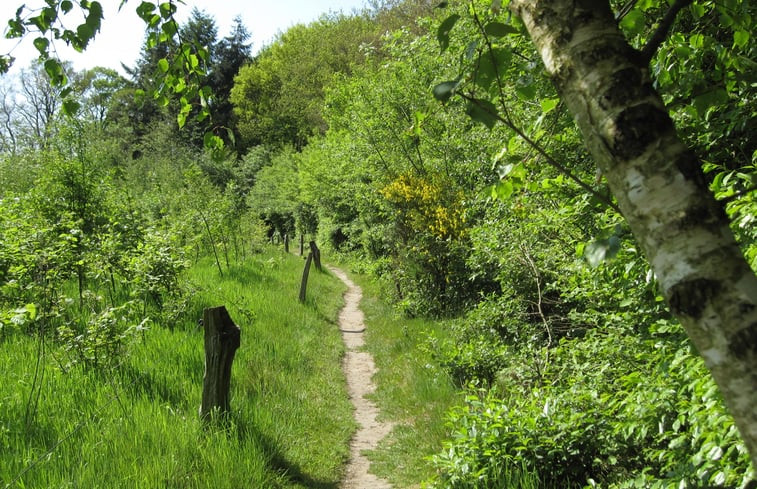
<point>359,369</point>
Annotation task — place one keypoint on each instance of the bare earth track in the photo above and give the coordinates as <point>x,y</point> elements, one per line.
<point>359,369</point>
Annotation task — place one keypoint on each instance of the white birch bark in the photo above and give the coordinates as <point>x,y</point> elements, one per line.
<point>660,190</point>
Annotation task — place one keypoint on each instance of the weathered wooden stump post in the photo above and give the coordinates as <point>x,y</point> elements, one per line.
<point>286,243</point>
<point>316,256</point>
<point>222,338</point>
<point>305,273</point>
<point>302,244</point>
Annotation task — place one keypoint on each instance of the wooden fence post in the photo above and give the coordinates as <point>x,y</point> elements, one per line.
<point>286,243</point>
<point>305,273</point>
<point>302,244</point>
<point>222,338</point>
<point>316,256</point>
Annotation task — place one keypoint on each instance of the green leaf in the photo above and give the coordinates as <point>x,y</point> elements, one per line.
<point>204,114</point>
<point>163,65</point>
<point>548,104</point>
<point>525,90</point>
<point>492,62</point>
<point>698,10</point>
<point>181,119</point>
<point>715,453</point>
<point>206,92</point>
<point>66,6</point>
<point>482,111</point>
<point>170,28</point>
<point>41,44</point>
<point>54,70</point>
<point>212,141</point>
<point>445,90</point>
<point>15,29</point>
<point>710,99</point>
<point>145,11</point>
<point>71,107</point>
<point>499,29</point>
<point>167,9</point>
<point>442,34</point>
<point>502,190</point>
<point>95,16</point>
<point>633,22</point>
<point>180,86</point>
<point>601,250</point>
<point>740,38</point>
<point>85,33</point>
<point>470,51</point>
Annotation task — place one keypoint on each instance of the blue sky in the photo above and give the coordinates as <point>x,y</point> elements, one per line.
<point>122,33</point>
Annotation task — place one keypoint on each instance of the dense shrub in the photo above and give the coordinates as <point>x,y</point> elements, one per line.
<point>610,409</point>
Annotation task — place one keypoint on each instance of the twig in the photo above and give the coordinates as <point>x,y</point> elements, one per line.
<point>550,160</point>
<point>662,30</point>
<point>625,9</point>
<point>532,265</point>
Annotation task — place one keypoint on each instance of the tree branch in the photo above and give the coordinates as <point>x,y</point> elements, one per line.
<point>625,9</point>
<point>662,30</point>
<point>550,160</point>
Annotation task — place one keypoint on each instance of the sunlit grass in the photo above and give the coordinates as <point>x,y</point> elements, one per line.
<point>138,426</point>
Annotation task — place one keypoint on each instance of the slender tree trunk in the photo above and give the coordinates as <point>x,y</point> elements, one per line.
<point>660,189</point>
<point>224,240</point>
<point>212,244</point>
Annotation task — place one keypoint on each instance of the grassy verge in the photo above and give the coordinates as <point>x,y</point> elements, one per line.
<point>412,391</point>
<point>137,426</point>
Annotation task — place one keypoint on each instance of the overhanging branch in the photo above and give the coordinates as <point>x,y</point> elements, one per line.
<point>662,30</point>
<point>549,159</point>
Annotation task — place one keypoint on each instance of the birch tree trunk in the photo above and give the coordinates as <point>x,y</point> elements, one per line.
<point>660,189</point>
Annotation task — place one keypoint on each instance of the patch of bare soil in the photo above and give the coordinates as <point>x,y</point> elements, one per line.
<point>359,369</point>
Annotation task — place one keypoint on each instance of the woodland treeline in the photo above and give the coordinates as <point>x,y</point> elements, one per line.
<point>343,130</point>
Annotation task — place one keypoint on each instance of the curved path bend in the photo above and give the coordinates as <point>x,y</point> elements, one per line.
<point>359,369</point>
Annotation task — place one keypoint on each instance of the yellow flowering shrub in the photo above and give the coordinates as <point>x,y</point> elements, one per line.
<point>427,205</point>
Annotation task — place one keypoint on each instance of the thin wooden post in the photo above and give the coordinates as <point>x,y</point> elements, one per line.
<point>286,243</point>
<point>302,244</point>
<point>316,256</point>
<point>222,338</point>
<point>305,273</point>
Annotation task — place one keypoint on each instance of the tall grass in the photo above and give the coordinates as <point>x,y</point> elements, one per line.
<point>137,425</point>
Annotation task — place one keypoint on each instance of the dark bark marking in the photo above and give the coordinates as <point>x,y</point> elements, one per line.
<point>593,53</point>
<point>746,307</point>
<point>744,342</point>
<point>624,85</point>
<point>691,168</point>
<point>699,214</point>
<point>637,127</point>
<point>691,297</point>
<point>551,17</point>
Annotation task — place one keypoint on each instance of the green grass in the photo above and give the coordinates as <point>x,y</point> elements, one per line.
<point>137,426</point>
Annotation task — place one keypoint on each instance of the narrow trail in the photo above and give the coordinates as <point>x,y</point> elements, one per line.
<point>359,369</point>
